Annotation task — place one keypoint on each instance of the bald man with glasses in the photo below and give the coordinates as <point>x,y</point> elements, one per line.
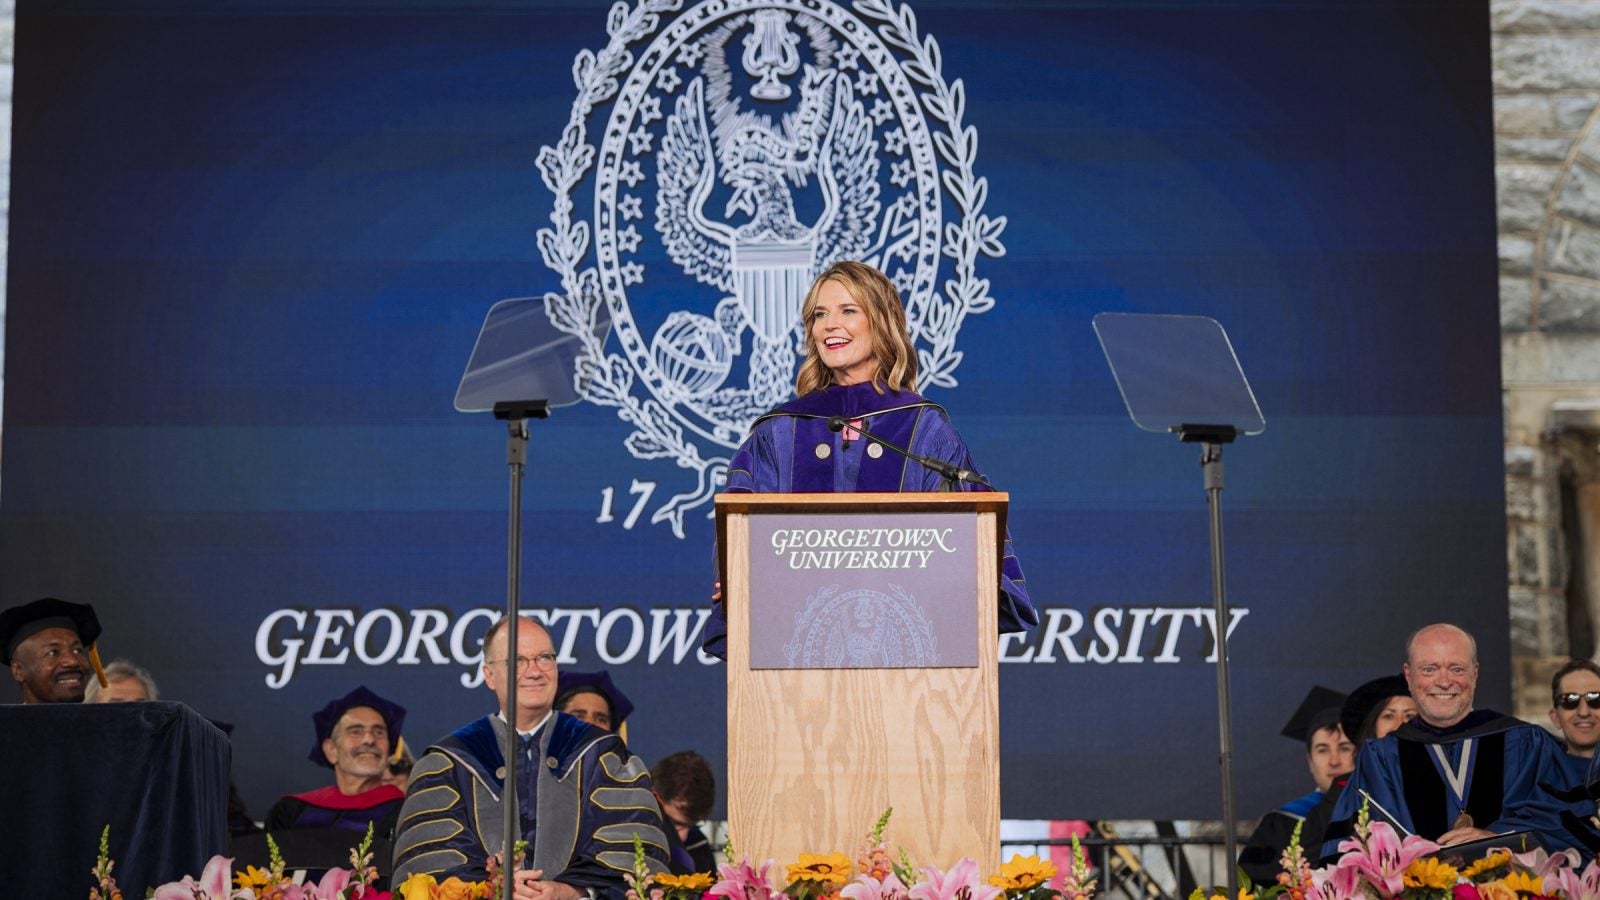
<point>583,797</point>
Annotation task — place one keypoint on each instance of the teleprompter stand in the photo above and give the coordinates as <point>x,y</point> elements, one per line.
<point>1178,374</point>
<point>521,367</point>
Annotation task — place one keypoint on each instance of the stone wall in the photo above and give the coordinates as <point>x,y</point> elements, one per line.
<point>1547,170</point>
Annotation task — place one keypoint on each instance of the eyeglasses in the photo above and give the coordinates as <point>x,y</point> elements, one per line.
<point>1570,701</point>
<point>543,661</point>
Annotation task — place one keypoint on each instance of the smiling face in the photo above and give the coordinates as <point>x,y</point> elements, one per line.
<point>358,748</point>
<point>1442,670</point>
<point>1581,726</point>
<point>52,666</point>
<point>842,334</point>
<point>533,665</point>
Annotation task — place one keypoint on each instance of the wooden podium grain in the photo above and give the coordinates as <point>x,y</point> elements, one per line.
<point>816,755</point>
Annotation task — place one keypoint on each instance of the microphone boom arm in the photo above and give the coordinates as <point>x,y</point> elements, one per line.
<point>949,471</point>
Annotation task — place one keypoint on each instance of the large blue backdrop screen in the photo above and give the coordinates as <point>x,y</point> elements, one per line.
<point>251,245</point>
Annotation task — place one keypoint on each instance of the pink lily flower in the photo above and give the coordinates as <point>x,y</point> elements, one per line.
<point>214,883</point>
<point>1384,859</point>
<point>959,883</point>
<point>1337,883</point>
<point>1540,862</point>
<point>1575,885</point>
<point>865,887</point>
<point>743,882</point>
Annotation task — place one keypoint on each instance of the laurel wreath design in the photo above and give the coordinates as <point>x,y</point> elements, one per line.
<point>607,379</point>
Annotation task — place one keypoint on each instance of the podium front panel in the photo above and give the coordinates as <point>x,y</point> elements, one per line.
<point>863,591</point>
<point>815,755</point>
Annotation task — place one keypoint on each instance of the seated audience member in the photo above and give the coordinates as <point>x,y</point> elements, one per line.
<point>1575,712</point>
<point>1378,707</point>
<point>1328,754</point>
<point>125,683</point>
<point>352,738</point>
<point>398,771</point>
<point>582,798</point>
<point>1456,774</point>
<point>49,645</point>
<point>686,789</point>
<point>592,697</point>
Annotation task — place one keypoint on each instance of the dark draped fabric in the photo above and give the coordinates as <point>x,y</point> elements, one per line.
<point>156,772</point>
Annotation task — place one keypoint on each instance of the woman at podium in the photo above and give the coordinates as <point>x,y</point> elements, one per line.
<point>857,383</point>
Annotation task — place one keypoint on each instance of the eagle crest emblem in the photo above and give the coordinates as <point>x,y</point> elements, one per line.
<point>716,159</point>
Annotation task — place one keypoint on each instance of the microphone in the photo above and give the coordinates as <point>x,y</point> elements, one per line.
<point>949,471</point>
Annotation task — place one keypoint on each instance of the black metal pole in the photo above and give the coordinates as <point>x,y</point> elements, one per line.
<point>1211,466</point>
<point>516,460</point>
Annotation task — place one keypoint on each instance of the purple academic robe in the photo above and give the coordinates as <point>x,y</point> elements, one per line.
<point>791,450</point>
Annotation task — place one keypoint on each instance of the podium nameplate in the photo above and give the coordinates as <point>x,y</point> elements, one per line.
<point>863,591</point>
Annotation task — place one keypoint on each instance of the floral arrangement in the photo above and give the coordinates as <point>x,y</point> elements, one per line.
<point>1377,864</point>
<point>873,874</point>
<point>219,882</point>
<point>215,883</point>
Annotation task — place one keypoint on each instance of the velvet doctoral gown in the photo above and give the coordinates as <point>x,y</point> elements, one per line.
<point>792,450</point>
<point>1505,774</point>
<point>582,797</point>
<point>327,808</point>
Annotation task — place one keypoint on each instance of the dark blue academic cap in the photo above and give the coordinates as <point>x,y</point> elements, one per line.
<point>394,715</point>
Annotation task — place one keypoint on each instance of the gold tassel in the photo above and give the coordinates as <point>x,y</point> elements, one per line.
<point>99,670</point>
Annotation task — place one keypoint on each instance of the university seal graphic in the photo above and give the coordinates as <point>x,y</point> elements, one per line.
<point>719,156</point>
<point>861,629</point>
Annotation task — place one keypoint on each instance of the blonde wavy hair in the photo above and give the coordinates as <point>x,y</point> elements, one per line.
<point>891,341</point>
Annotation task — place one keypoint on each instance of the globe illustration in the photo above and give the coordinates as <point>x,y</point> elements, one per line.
<point>691,353</point>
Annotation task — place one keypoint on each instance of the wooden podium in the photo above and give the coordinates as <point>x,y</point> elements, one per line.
<point>845,696</point>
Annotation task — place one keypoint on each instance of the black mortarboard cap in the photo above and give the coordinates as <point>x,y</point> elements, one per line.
<point>19,623</point>
<point>600,681</point>
<point>394,715</point>
<point>1364,699</point>
<point>1318,710</point>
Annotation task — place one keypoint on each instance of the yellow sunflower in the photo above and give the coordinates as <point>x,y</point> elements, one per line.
<point>1428,872</point>
<point>253,878</point>
<point>1021,873</point>
<point>832,868</point>
<point>696,882</point>
<point>1524,882</point>
<point>1496,858</point>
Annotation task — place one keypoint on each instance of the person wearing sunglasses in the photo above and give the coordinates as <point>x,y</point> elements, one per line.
<point>1458,775</point>
<point>1575,711</point>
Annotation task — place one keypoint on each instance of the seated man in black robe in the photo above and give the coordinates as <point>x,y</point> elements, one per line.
<point>1329,754</point>
<point>686,788</point>
<point>353,738</point>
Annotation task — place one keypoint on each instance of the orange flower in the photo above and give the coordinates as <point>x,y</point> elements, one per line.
<point>1496,890</point>
<point>454,888</point>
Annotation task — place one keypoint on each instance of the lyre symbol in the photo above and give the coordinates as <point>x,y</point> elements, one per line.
<point>770,52</point>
